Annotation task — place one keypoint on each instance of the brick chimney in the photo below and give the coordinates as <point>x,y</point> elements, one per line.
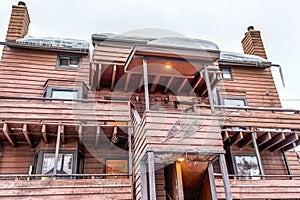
<point>253,44</point>
<point>19,22</point>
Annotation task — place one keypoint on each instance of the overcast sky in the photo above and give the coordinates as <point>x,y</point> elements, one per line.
<point>222,22</point>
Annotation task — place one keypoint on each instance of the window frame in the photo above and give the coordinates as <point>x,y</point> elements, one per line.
<point>234,98</point>
<point>236,170</point>
<point>230,72</point>
<point>80,94</point>
<point>115,158</point>
<point>68,67</point>
<point>40,156</point>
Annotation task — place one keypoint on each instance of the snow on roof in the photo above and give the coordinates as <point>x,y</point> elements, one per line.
<point>186,43</point>
<point>163,41</point>
<point>240,57</point>
<point>55,42</point>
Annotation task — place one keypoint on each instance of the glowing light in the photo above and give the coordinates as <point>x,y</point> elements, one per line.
<point>180,159</point>
<point>168,66</point>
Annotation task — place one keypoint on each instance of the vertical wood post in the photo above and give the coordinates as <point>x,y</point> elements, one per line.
<point>225,177</point>
<point>144,185</point>
<point>129,148</point>
<point>212,181</point>
<point>286,162</point>
<point>151,171</point>
<point>57,149</point>
<point>262,172</point>
<point>179,181</point>
<point>210,96</point>
<point>145,70</point>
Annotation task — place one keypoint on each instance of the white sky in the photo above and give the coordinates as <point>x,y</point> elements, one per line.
<point>222,22</point>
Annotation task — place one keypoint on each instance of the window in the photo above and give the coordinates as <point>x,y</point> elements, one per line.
<point>247,166</point>
<point>68,62</point>
<point>66,163</point>
<point>64,93</point>
<point>226,73</point>
<point>234,102</point>
<point>116,166</point>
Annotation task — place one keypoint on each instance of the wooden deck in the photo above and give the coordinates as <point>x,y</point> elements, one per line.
<point>260,189</point>
<point>66,189</point>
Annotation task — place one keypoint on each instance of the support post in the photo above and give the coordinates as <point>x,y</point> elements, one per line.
<point>286,162</point>
<point>144,184</point>
<point>210,96</point>
<point>151,177</point>
<point>262,172</point>
<point>129,148</point>
<point>145,70</point>
<point>212,182</point>
<point>179,181</point>
<point>57,149</point>
<point>225,177</point>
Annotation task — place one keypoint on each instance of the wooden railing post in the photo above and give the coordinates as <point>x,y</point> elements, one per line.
<point>210,96</point>
<point>151,177</point>
<point>144,184</point>
<point>145,70</point>
<point>225,177</point>
<point>57,149</point>
<point>262,172</point>
<point>211,177</point>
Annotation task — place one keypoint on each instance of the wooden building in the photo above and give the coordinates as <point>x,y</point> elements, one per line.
<point>142,118</point>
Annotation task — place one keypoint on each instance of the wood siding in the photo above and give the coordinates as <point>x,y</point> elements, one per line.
<point>24,72</point>
<point>66,189</point>
<point>253,83</point>
<point>260,189</point>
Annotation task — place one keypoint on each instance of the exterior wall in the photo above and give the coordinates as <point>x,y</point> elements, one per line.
<point>253,83</point>
<point>24,72</point>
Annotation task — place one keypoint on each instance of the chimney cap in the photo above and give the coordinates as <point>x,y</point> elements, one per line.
<point>21,3</point>
<point>250,28</point>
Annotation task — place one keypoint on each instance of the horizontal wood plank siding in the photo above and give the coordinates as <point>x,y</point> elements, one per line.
<point>260,189</point>
<point>253,83</point>
<point>24,72</point>
<point>67,189</point>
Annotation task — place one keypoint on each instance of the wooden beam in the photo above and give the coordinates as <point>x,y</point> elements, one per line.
<point>289,140</point>
<point>151,175</point>
<point>127,82</point>
<point>98,132</point>
<point>200,80</point>
<point>26,135</point>
<point>234,139</point>
<point>168,85</point>
<point>275,140</point>
<point>225,177</point>
<point>225,136</point>
<point>247,140</point>
<point>130,160</point>
<point>141,83</point>
<point>62,133</point>
<point>113,78</point>
<point>44,134</point>
<point>154,83</point>
<point>99,74</point>
<point>8,135</point>
<point>182,85</point>
<point>264,138</point>
<point>179,181</point>
<point>80,134</point>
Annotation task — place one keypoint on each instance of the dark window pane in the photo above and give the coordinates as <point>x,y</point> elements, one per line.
<point>64,61</point>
